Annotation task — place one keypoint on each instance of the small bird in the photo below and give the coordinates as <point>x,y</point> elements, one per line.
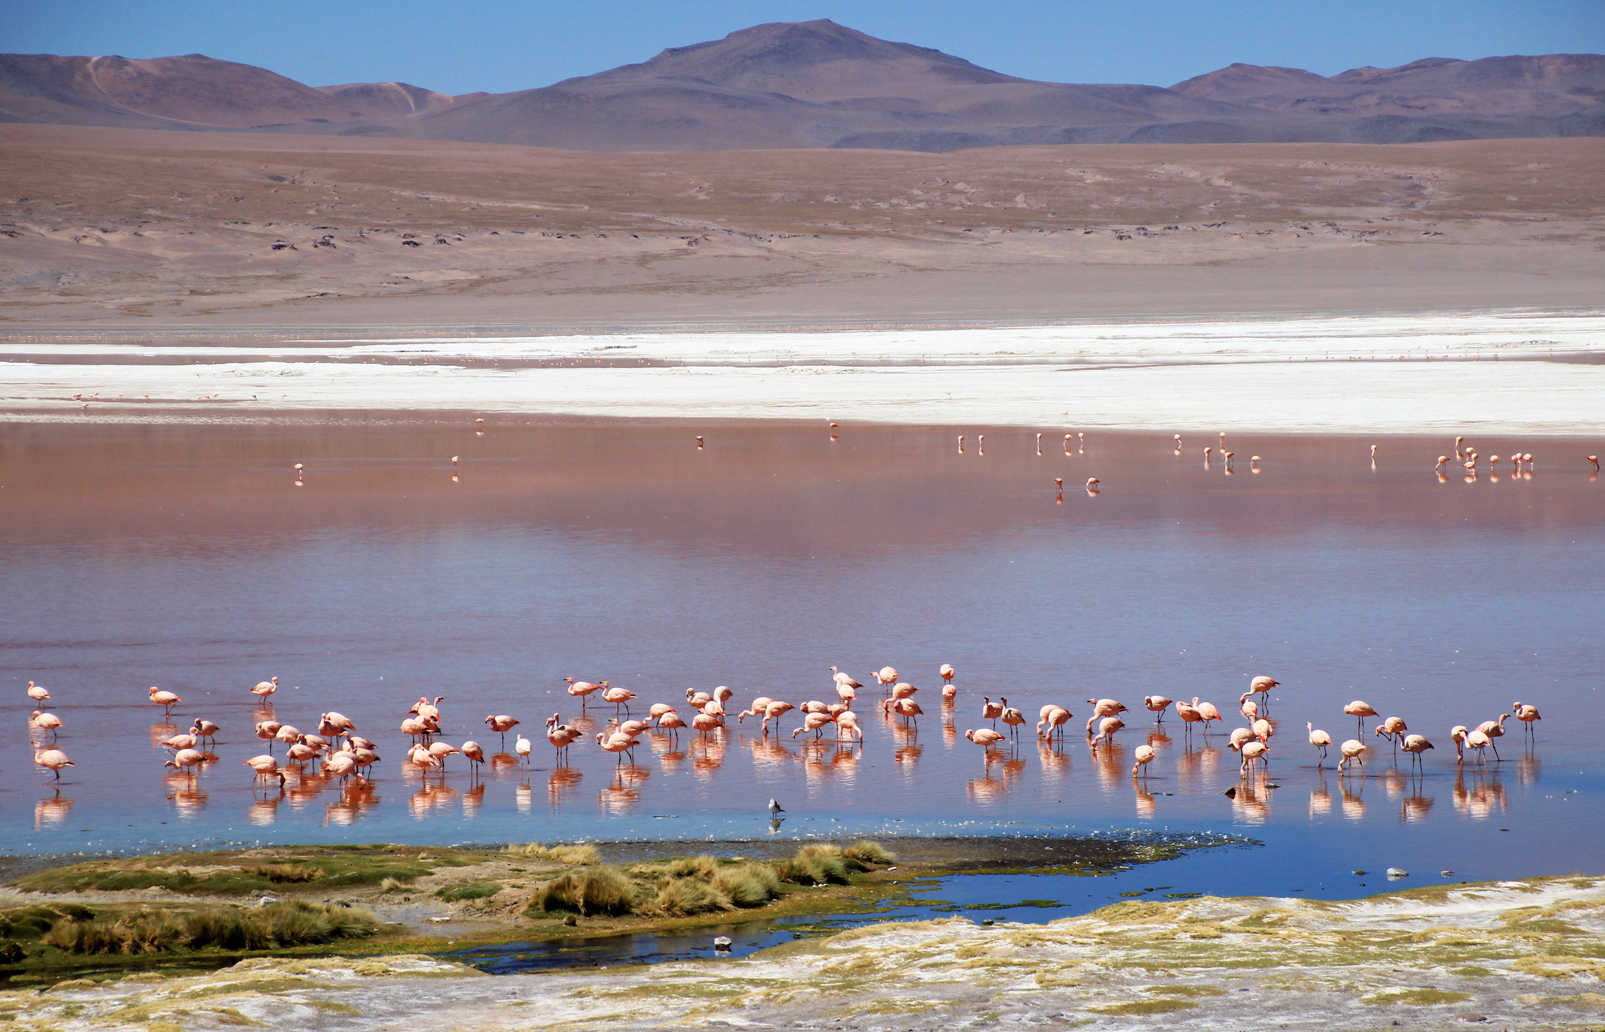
<point>775,809</point>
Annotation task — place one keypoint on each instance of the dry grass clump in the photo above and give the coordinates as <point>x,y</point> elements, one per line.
<point>582,854</point>
<point>259,928</point>
<point>596,890</point>
<point>680,897</point>
<point>747,885</point>
<point>700,884</point>
<point>825,864</point>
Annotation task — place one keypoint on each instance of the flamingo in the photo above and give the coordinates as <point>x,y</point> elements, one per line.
<point>1527,714</point>
<point>846,692</point>
<point>288,734</point>
<point>814,722</point>
<point>427,710</point>
<point>47,722</point>
<point>774,711</point>
<point>1106,731</point>
<point>618,744</point>
<point>619,697</point>
<point>847,679</point>
<point>1247,708</point>
<point>300,753</point>
<point>1415,745</point>
<point>178,742</point>
<point>1252,752</point>
<point>186,760</point>
<point>706,723</point>
<point>341,765</point>
<point>984,737</point>
<point>475,754</point>
<point>166,700</point>
<point>264,766</point>
<point>1206,713</point>
<point>848,722</point>
<point>1053,719</point>
<point>1144,755</point>
<point>268,730</point>
<point>991,711</point>
<point>886,675</point>
<point>1360,710</point>
<point>673,721</point>
<point>1239,735</point>
<point>1494,729</point>
<point>1189,715</point>
<point>581,689</point>
<point>1012,717</point>
<point>1351,750</point>
<point>38,692</point>
<point>440,750</point>
<point>1319,739</point>
<point>205,729</point>
<point>1156,704</point>
<point>946,671</point>
<point>758,707</point>
<point>1393,729</point>
<point>334,724</point>
<point>908,709</point>
<point>263,689</point>
<point>903,690</point>
<point>1457,734</point>
<point>523,747</point>
<point>51,759</point>
<point>1478,741</point>
<point>1263,729</point>
<point>1103,708</point>
<point>501,723</point>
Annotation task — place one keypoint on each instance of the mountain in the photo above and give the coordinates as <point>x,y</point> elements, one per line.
<point>194,91</point>
<point>819,84</point>
<point>1555,85</point>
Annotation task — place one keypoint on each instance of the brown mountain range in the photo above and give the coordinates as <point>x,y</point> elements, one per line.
<point>819,84</point>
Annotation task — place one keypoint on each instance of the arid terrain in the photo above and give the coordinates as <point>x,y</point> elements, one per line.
<point>114,229</point>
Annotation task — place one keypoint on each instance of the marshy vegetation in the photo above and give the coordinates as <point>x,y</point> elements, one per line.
<point>701,884</point>
<point>211,874</point>
<point>274,926</point>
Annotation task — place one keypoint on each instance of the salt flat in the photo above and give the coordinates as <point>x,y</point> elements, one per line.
<point>1485,372</point>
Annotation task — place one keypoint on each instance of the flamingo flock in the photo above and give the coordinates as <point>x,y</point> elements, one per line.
<point>344,754</point>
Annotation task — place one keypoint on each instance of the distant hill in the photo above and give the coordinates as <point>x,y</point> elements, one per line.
<point>819,84</point>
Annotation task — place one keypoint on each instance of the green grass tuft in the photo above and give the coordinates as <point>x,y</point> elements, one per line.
<point>468,890</point>
<point>680,897</point>
<point>747,885</point>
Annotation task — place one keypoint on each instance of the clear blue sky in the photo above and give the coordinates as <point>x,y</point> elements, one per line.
<point>500,45</point>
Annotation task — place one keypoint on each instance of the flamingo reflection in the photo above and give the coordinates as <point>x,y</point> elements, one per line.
<point>51,812</point>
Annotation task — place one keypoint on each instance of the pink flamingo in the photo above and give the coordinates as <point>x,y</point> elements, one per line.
<point>166,700</point>
<point>1360,709</point>
<point>1156,704</point>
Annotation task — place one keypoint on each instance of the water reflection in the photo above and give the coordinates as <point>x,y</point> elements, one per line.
<point>51,812</point>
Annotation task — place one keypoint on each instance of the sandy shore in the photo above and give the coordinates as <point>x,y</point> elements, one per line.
<point>1529,373</point>
<point>1512,954</point>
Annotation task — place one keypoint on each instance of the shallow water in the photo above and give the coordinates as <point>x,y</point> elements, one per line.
<point>185,556</point>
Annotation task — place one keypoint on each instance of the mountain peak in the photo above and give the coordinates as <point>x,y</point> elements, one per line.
<point>813,60</point>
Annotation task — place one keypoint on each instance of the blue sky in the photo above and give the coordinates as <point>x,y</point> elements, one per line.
<point>500,45</point>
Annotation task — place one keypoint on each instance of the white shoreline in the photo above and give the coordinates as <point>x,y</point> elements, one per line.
<point>1310,375</point>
